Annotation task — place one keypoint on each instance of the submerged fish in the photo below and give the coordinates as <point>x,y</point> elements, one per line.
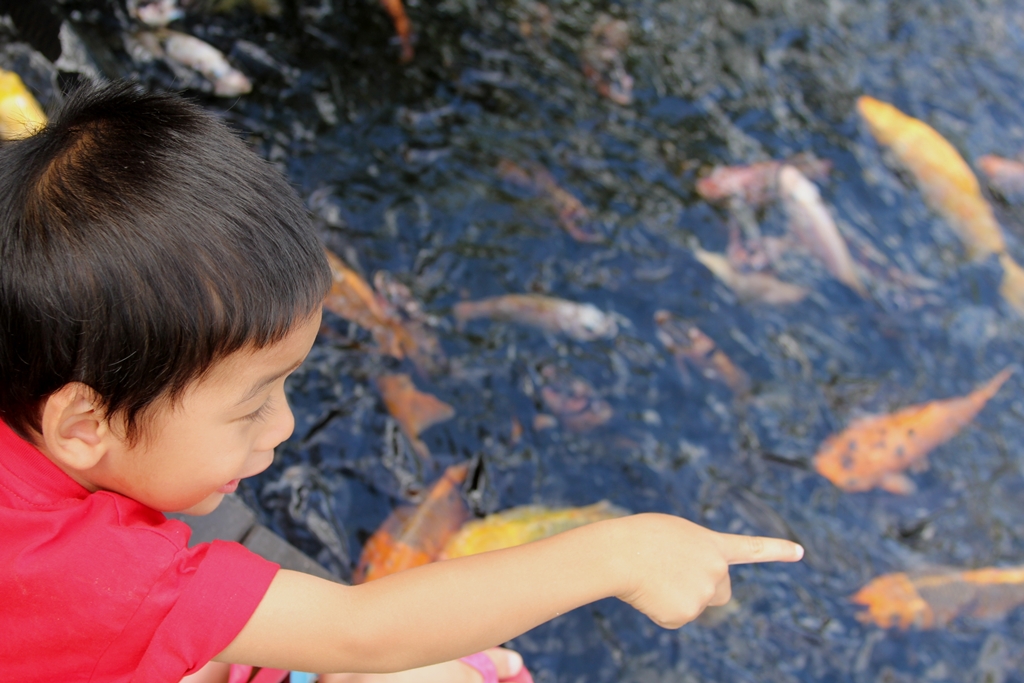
<point>1005,176</point>
<point>573,400</point>
<point>411,537</point>
<point>189,51</point>
<point>811,222</point>
<point>932,600</point>
<point>874,451</point>
<point>414,410</point>
<point>572,215</point>
<point>155,13</point>
<point>945,180</point>
<point>690,346</point>
<point>603,64</point>
<point>524,524</point>
<point>757,184</point>
<point>20,113</point>
<point>584,322</point>
<point>403,27</point>
<point>750,286</point>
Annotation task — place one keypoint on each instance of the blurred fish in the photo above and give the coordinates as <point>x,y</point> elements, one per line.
<point>690,346</point>
<point>584,322</point>
<point>571,212</point>
<point>414,410</point>
<point>155,13</point>
<point>411,537</point>
<point>757,183</point>
<point>520,525</point>
<point>811,222</point>
<point>874,451</point>
<point>1005,176</point>
<point>425,350</point>
<point>932,600</point>
<point>1012,286</point>
<point>603,63</point>
<point>189,51</point>
<point>943,177</point>
<point>573,400</point>
<point>750,287</point>
<point>403,27</point>
<point>20,113</point>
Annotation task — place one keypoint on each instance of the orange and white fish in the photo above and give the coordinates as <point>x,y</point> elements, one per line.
<point>811,222</point>
<point>572,215</point>
<point>413,410</point>
<point>945,180</point>
<point>20,113</point>
<point>524,524</point>
<point>750,287</point>
<point>690,346</point>
<point>1005,176</point>
<point>874,451</point>
<point>928,600</point>
<point>756,184</point>
<point>414,536</point>
<point>583,322</point>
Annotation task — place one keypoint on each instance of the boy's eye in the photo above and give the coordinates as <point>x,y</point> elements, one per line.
<point>259,414</point>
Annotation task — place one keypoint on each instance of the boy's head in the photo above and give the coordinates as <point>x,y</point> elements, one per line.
<point>141,244</point>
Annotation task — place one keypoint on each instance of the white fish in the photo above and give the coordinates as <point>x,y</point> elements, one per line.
<point>583,322</point>
<point>206,59</point>
<point>811,222</point>
<point>750,286</point>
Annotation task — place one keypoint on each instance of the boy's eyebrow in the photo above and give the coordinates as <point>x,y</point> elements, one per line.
<point>266,381</point>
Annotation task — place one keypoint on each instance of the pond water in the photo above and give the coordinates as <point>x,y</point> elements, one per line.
<point>401,162</point>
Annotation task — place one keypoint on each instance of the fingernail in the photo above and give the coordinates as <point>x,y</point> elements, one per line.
<point>515,662</point>
<point>799,552</point>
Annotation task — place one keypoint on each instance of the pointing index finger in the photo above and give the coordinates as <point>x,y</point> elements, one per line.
<point>749,549</point>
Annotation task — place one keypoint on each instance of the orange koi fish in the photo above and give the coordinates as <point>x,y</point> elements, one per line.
<point>414,536</point>
<point>572,215</point>
<point>750,286</point>
<point>874,451</point>
<point>690,346</point>
<point>945,180</point>
<point>403,27</point>
<point>928,601</point>
<point>813,225</point>
<point>520,525</point>
<point>756,184</point>
<point>413,410</point>
<point>603,64</point>
<point>20,113</point>
<point>1005,176</point>
<point>583,322</point>
<point>573,400</point>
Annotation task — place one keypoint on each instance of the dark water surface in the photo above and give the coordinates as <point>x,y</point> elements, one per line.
<point>401,162</point>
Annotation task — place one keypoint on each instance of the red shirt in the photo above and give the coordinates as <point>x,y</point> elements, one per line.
<point>97,587</point>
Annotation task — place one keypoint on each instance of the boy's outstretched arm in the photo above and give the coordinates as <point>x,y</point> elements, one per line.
<point>668,568</point>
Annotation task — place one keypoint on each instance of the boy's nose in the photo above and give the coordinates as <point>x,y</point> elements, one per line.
<point>280,427</point>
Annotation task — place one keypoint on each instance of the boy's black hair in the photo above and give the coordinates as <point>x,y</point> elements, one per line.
<point>140,242</point>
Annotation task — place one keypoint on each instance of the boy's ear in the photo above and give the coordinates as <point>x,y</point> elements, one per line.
<point>75,431</point>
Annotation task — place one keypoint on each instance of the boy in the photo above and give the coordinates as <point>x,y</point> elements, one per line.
<point>158,284</point>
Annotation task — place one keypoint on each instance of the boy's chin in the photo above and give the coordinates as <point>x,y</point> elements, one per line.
<point>203,507</point>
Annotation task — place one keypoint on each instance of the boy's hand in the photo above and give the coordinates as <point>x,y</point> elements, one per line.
<point>676,568</point>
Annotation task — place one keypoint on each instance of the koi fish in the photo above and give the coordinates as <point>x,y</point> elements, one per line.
<point>1005,176</point>
<point>352,298</point>
<point>155,13</point>
<point>573,400</point>
<point>603,64</point>
<point>403,27</point>
<point>524,524</point>
<point>690,346</point>
<point>414,410</point>
<point>583,322</point>
<point>750,286</point>
<point>945,180</point>
<point>756,184</point>
<point>571,212</point>
<point>932,600</point>
<point>874,451</point>
<point>20,113</point>
<point>192,53</point>
<point>813,225</point>
<point>414,536</point>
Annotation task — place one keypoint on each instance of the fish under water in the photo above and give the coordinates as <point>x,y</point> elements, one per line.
<point>573,400</point>
<point>573,217</point>
<point>756,184</point>
<point>413,410</point>
<point>193,53</point>
<point>1005,176</point>
<point>750,287</point>
<point>691,347</point>
<point>813,225</point>
<point>414,536</point>
<point>583,322</point>
<point>523,524</point>
<point>874,451</point>
<point>603,63</point>
<point>933,599</point>
<point>20,113</point>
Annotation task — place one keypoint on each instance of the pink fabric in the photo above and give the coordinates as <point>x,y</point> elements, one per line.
<point>98,588</point>
<point>482,663</point>
<point>240,673</point>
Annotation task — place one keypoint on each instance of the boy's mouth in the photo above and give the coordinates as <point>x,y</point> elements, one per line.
<point>229,487</point>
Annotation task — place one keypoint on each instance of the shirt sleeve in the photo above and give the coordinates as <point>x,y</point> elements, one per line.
<point>218,587</point>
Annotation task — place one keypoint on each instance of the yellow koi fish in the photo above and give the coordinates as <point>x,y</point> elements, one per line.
<point>20,113</point>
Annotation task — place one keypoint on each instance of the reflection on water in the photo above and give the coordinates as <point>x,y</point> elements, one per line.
<point>407,170</point>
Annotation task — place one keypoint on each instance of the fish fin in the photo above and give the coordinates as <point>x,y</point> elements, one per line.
<point>897,483</point>
<point>918,466</point>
